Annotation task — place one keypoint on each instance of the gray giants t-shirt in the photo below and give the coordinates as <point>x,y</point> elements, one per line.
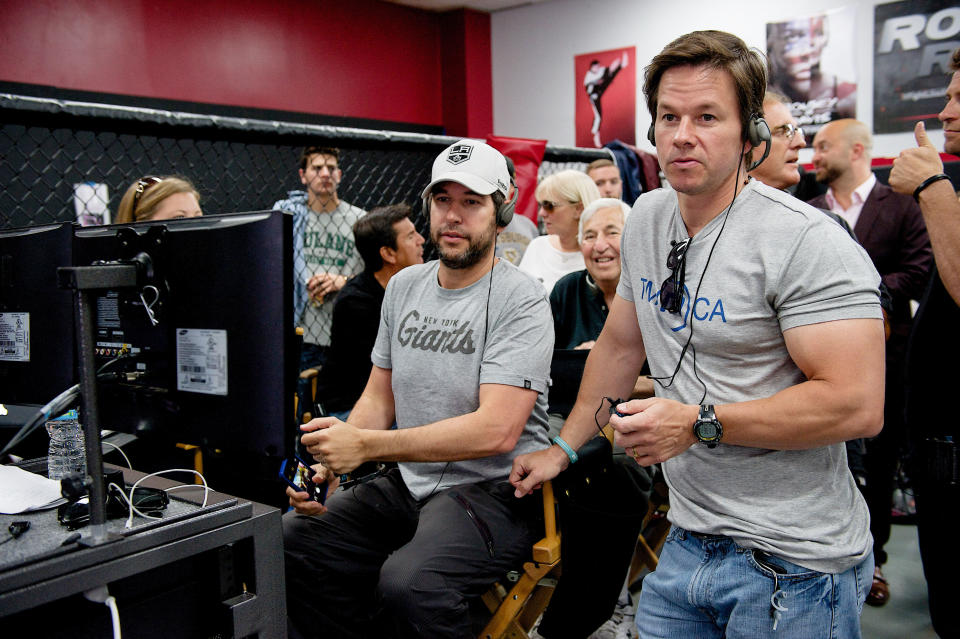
<point>440,349</point>
<point>778,264</point>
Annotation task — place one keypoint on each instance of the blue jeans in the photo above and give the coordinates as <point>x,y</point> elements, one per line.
<point>706,586</point>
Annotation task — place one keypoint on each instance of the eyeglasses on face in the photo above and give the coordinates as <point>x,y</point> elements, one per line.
<point>788,131</point>
<point>549,206</point>
<point>671,291</point>
<point>144,184</point>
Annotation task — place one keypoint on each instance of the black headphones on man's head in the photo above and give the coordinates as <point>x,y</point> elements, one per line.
<point>504,212</point>
<point>758,132</point>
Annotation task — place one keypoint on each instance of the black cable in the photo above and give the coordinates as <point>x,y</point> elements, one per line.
<point>486,326</point>
<point>596,420</point>
<point>56,407</point>
<point>60,404</point>
<point>696,294</point>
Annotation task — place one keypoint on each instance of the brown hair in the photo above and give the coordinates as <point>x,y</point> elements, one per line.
<point>718,50</point>
<point>153,194</point>
<point>955,60</point>
<point>318,150</point>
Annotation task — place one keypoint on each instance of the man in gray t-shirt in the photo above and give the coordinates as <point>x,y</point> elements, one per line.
<point>462,363</point>
<point>761,322</point>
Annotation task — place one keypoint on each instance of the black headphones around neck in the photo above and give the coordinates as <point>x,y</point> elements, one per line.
<point>758,132</point>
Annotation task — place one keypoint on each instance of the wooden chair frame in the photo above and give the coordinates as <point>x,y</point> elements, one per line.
<point>652,534</point>
<point>515,612</point>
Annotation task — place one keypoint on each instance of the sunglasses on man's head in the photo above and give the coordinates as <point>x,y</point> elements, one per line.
<point>671,291</point>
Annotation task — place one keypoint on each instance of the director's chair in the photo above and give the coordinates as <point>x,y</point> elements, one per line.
<point>653,533</point>
<point>516,611</point>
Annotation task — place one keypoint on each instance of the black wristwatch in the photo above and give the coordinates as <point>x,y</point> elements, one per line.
<point>707,428</point>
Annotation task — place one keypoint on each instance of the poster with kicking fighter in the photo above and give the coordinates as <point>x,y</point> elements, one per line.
<point>606,104</point>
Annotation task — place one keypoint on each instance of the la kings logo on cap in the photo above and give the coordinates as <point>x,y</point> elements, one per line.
<point>459,154</point>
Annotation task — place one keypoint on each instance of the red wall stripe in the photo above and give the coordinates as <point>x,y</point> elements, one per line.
<point>363,58</point>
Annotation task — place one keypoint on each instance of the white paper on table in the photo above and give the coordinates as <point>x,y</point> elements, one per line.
<point>22,491</point>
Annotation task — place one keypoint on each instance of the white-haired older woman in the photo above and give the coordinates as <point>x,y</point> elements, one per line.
<point>562,198</point>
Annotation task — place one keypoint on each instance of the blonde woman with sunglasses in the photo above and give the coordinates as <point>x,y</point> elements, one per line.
<point>561,198</point>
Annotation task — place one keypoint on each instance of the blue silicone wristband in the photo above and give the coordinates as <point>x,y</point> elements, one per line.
<point>571,453</point>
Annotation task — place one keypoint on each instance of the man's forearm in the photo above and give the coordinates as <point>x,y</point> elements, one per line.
<point>370,414</point>
<point>451,439</point>
<point>375,409</point>
<point>493,429</point>
<point>809,415</point>
<point>941,212</point>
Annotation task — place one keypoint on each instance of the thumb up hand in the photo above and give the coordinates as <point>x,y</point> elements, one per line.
<point>915,165</point>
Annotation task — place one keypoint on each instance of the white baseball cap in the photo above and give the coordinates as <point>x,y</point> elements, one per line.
<point>475,165</point>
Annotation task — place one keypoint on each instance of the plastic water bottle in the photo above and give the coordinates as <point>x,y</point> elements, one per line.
<point>66,453</point>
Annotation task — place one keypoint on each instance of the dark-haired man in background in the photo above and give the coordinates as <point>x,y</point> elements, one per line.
<point>767,342</point>
<point>388,242</point>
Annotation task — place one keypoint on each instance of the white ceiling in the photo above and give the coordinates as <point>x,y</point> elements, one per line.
<point>488,6</point>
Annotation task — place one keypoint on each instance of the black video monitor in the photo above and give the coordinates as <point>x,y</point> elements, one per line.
<point>208,334</point>
<point>37,360</point>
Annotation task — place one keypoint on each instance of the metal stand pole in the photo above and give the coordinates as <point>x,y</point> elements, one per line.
<point>84,280</point>
<point>91,423</point>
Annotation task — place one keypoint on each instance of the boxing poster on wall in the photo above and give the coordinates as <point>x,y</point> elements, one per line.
<point>913,41</point>
<point>606,102</point>
<point>810,60</point>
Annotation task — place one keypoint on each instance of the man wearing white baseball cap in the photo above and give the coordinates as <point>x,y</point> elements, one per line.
<point>462,362</point>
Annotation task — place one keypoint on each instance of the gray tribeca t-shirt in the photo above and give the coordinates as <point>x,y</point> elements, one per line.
<point>778,264</point>
<point>440,348</point>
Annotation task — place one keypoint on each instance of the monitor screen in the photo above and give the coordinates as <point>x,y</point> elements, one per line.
<point>207,335</point>
<point>37,360</point>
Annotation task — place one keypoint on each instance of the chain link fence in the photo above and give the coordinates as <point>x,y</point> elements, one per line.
<point>63,160</point>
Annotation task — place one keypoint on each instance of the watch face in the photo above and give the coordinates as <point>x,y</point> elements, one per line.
<point>707,430</point>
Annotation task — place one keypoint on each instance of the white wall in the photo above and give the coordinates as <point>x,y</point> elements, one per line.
<point>534,47</point>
